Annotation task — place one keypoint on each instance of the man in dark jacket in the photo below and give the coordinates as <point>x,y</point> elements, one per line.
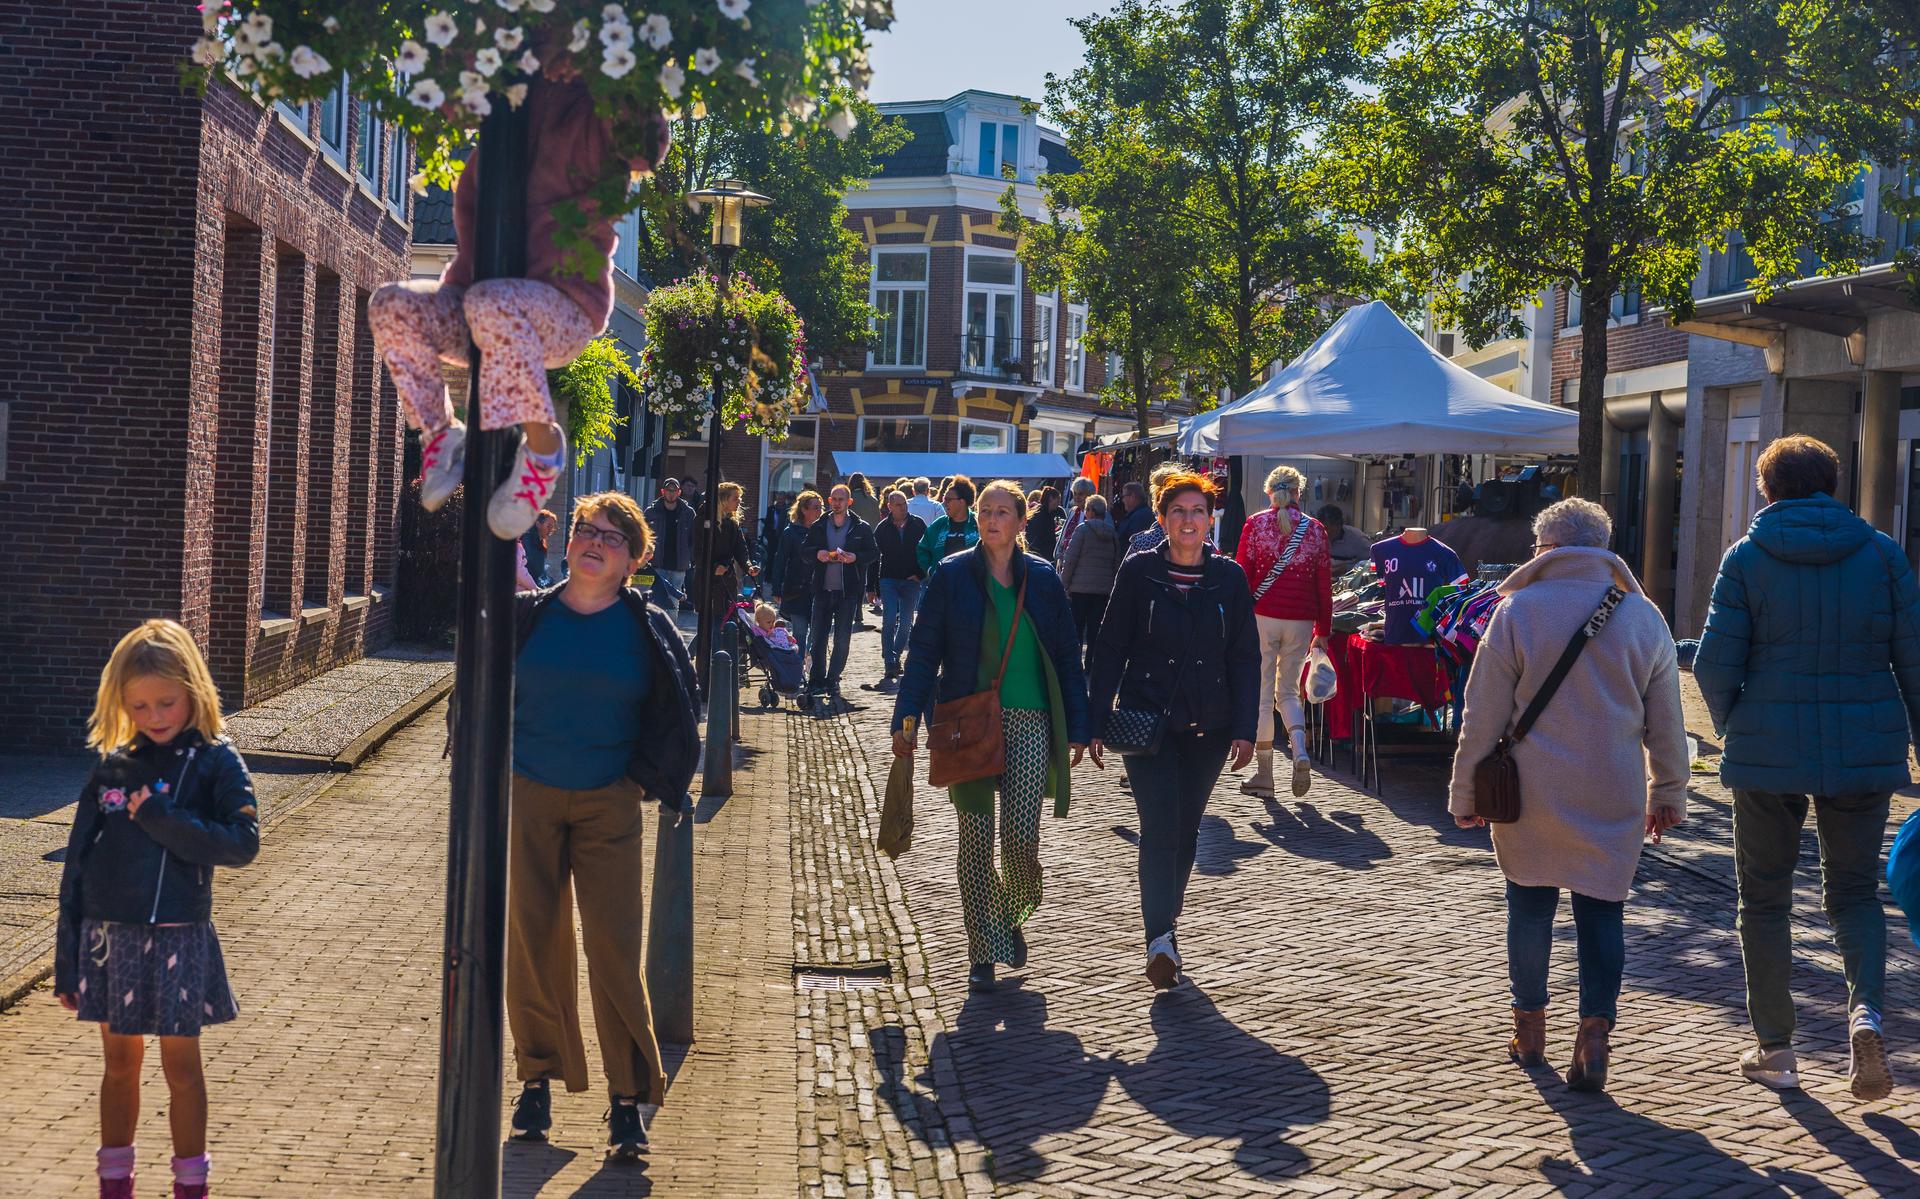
<point>1810,666</point>
<point>897,577</point>
<point>1135,513</point>
<point>840,547</point>
<point>671,520</point>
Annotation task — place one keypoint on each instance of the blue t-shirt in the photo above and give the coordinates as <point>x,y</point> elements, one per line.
<point>1408,574</point>
<point>579,685</point>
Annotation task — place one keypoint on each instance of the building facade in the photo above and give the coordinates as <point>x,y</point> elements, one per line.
<point>193,425</point>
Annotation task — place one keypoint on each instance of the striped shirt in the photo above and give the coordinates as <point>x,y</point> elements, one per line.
<point>1185,578</point>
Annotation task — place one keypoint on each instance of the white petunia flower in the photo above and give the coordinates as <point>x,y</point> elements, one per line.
<point>540,5</point>
<point>440,29</point>
<point>479,25</point>
<point>425,93</point>
<point>842,123</point>
<point>745,71</point>
<point>307,63</point>
<point>517,95</point>
<point>477,103</point>
<point>271,52</point>
<point>706,60</point>
<point>673,80</point>
<point>331,24</point>
<point>527,63</point>
<point>803,106</point>
<point>656,32</point>
<point>613,12</point>
<point>509,39</point>
<point>616,35</point>
<point>734,10</point>
<point>412,59</point>
<point>487,61</point>
<point>616,62</point>
<point>207,52</point>
<point>510,5</point>
<point>472,81</point>
<point>243,68</point>
<point>210,14</point>
<point>257,29</point>
<point>582,34</point>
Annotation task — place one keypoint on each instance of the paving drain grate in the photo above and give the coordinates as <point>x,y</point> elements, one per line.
<point>866,976</point>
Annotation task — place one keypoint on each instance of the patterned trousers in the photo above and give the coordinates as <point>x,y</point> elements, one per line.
<point>996,902</point>
<point>522,326</point>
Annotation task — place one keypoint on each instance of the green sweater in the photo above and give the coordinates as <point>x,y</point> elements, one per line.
<point>977,796</point>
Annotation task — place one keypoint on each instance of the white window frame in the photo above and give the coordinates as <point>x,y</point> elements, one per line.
<point>399,158</point>
<point>369,128</point>
<point>1010,290</point>
<point>1075,351</point>
<point>1046,332</point>
<point>336,152</point>
<point>874,287</point>
<point>770,451</point>
<point>860,429</point>
<point>1006,440</point>
<point>999,125</point>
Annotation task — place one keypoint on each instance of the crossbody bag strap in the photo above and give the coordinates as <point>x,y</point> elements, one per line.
<point>1585,633</point>
<point>1006,651</point>
<point>1286,556</point>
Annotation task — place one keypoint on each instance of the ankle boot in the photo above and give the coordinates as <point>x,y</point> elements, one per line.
<point>1529,1044</point>
<point>1589,1069</point>
<point>1261,783</point>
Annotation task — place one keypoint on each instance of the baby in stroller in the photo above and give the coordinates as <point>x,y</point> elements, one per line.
<point>771,647</point>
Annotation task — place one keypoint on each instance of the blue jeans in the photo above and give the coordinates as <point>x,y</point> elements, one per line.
<point>669,589</point>
<point>799,617</point>
<point>1599,931</point>
<point>833,613</point>
<point>1170,790</point>
<point>898,600</point>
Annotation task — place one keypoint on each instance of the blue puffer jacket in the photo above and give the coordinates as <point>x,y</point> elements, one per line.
<point>943,655</point>
<point>1810,663</point>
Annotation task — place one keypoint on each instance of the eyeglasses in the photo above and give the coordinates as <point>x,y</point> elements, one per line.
<point>613,539</point>
<point>1544,545</point>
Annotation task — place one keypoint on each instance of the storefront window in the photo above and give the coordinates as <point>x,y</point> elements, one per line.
<point>895,434</point>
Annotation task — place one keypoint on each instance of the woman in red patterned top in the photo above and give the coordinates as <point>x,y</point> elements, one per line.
<point>1294,610</point>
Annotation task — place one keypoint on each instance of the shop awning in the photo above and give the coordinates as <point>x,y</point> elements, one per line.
<point>981,468</point>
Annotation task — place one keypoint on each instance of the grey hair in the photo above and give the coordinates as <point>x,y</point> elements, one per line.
<point>1574,522</point>
<point>1097,507</point>
<point>1083,486</point>
<point>922,485</point>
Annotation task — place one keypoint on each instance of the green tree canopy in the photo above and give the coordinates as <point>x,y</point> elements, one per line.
<point>1509,146</point>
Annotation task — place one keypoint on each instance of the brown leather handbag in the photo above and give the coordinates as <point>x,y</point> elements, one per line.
<point>964,739</point>
<point>1496,779</point>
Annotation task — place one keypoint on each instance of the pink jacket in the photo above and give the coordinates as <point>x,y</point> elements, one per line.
<point>567,148</point>
<point>1304,591</point>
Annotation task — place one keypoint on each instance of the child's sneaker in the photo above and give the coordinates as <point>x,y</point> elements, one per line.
<point>443,459</point>
<point>116,1188</point>
<point>516,503</point>
<point>188,1190</point>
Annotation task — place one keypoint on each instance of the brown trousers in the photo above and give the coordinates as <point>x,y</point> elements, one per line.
<point>590,842</point>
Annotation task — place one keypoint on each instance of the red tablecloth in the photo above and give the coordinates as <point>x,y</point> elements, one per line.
<point>1380,671</point>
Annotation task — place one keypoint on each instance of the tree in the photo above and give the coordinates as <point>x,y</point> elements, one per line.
<point>1518,145</point>
<point>1223,100</point>
<point>1107,241</point>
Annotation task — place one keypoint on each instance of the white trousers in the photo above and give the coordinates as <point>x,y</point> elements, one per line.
<point>1283,656</point>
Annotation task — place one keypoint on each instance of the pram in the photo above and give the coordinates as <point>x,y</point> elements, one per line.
<point>782,670</point>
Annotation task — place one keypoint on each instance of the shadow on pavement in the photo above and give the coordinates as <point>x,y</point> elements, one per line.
<point>1221,850</point>
<point>527,1167</point>
<point>1205,1077</point>
<point>626,1179</point>
<point>1874,1164</point>
<point>1342,839</point>
<point>1617,1150</point>
<point>1905,1141</point>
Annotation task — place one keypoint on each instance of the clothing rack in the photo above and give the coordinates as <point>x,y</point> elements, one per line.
<point>1494,572</point>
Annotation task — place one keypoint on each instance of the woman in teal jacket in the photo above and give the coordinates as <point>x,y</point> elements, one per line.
<point>1810,666</point>
<point>955,531</point>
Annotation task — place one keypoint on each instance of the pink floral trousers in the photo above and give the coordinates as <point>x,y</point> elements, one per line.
<point>522,326</point>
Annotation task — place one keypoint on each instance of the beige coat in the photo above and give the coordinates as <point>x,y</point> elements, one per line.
<point>1609,747</point>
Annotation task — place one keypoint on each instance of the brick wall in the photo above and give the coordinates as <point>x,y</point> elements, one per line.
<point>164,263</point>
<point>1647,342</point>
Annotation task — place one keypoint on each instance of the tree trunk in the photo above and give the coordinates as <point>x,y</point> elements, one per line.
<point>1142,391</point>
<point>1593,382</point>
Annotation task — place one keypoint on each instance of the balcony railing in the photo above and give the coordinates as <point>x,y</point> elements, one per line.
<point>997,359</point>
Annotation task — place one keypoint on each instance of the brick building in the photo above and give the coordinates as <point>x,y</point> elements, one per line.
<point>193,423</point>
<point>967,356</point>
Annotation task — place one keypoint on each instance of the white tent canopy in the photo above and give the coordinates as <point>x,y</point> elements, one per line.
<point>1369,385</point>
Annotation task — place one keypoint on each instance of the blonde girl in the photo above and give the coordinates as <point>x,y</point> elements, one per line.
<point>136,952</point>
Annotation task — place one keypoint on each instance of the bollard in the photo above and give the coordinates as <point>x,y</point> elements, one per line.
<point>732,646</point>
<point>716,776</point>
<point>670,928</point>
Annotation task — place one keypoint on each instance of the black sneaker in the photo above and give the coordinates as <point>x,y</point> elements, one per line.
<point>532,1113</point>
<point>626,1131</point>
<point>980,978</point>
<point>1019,961</point>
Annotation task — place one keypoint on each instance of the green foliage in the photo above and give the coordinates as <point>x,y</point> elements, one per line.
<point>1211,109</point>
<point>747,345</point>
<point>586,387</point>
<point>1502,147</point>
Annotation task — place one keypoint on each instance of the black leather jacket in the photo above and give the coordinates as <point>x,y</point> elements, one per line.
<point>156,868</point>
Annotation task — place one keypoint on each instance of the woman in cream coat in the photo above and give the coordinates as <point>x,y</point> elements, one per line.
<point>1604,768</point>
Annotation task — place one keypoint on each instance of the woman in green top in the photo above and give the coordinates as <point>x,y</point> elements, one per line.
<point>955,651</point>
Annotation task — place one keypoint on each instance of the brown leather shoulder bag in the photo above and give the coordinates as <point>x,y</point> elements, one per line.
<point>964,738</point>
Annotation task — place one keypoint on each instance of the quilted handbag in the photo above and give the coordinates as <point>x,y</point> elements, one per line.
<point>1134,731</point>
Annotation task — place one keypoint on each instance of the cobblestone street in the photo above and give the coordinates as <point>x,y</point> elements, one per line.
<point>1345,1033</point>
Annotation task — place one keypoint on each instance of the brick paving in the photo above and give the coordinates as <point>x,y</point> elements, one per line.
<point>324,716</point>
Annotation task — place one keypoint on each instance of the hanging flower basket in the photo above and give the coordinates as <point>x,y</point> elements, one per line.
<point>749,349</point>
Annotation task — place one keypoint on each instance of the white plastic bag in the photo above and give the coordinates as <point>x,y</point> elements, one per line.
<point>1322,681</point>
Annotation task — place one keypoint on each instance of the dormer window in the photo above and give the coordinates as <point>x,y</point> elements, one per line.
<point>999,147</point>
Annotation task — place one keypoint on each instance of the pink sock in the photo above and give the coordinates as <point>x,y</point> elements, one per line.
<point>191,1171</point>
<point>114,1161</point>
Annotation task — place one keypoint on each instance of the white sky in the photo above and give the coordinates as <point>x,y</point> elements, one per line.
<point>939,47</point>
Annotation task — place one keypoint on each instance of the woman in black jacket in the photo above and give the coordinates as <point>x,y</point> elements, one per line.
<point>790,573</point>
<point>1180,620</point>
<point>715,582</point>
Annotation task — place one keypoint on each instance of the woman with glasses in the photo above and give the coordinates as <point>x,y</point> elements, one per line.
<point>603,718</point>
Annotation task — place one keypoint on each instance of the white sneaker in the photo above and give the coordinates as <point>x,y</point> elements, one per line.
<point>1776,1068</point>
<point>443,459</point>
<point>1163,963</point>
<point>1867,1075</point>
<point>516,503</point>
